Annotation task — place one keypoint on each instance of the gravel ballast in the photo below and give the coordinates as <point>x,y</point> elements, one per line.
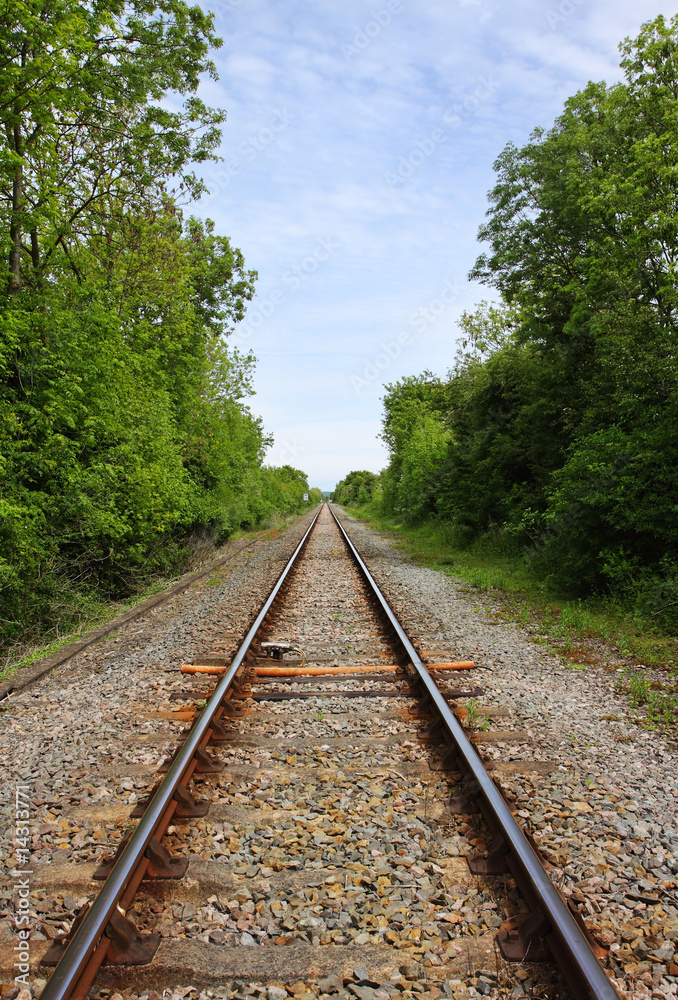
<point>606,815</point>
<point>327,830</point>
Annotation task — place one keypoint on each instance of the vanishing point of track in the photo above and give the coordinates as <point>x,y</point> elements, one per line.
<point>545,929</point>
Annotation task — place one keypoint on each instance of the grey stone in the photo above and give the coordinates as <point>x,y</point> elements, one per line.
<point>330,984</point>
<point>664,953</point>
<point>276,993</point>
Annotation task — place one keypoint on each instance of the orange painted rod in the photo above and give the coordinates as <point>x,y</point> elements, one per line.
<point>322,671</point>
<point>454,665</point>
<point>369,669</point>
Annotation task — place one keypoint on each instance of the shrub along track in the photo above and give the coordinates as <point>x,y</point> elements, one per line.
<point>329,836</point>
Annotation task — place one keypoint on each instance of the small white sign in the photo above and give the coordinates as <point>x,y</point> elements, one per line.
<point>305,496</point>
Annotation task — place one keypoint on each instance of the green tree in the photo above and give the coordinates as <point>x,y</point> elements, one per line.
<point>121,414</point>
<point>582,231</point>
<point>414,411</point>
<point>356,489</point>
<point>84,131</point>
<point>561,409</point>
<point>124,429</point>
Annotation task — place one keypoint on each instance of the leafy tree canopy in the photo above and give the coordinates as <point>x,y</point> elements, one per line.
<point>124,430</point>
<point>357,488</point>
<point>556,424</point>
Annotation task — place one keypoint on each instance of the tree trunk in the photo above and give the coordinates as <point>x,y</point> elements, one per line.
<point>15,226</point>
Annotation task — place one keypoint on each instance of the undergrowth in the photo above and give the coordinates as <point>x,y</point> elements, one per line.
<point>584,631</point>
<point>661,709</point>
<point>75,612</point>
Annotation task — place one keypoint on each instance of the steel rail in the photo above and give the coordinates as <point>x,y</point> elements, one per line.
<point>64,979</point>
<point>582,965</point>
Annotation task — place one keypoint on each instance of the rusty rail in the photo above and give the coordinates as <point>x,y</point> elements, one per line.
<point>550,922</point>
<point>87,949</point>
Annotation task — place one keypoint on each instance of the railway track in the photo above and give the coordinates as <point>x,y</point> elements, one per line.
<point>324,833</point>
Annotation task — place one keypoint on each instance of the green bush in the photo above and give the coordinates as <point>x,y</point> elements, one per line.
<point>554,432</point>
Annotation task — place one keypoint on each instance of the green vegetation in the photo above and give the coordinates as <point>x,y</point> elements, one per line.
<point>356,489</point>
<point>124,436</point>
<point>551,443</point>
<point>545,463</point>
<point>507,588</point>
<point>661,708</point>
<point>571,626</point>
<point>475,718</point>
<point>78,612</point>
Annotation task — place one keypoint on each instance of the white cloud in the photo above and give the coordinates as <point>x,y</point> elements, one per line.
<point>349,122</point>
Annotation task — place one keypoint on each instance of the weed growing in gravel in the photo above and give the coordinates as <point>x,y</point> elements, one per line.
<point>639,687</point>
<point>476,719</point>
<point>622,643</point>
<point>661,708</point>
<point>524,615</point>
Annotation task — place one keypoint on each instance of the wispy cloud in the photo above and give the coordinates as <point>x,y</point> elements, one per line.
<point>386,153</point>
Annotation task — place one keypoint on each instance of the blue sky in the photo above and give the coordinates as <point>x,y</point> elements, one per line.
<point>357,157</point>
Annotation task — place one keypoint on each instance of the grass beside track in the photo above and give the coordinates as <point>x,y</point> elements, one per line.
<point>78,613</point>
<point>583,632</point>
